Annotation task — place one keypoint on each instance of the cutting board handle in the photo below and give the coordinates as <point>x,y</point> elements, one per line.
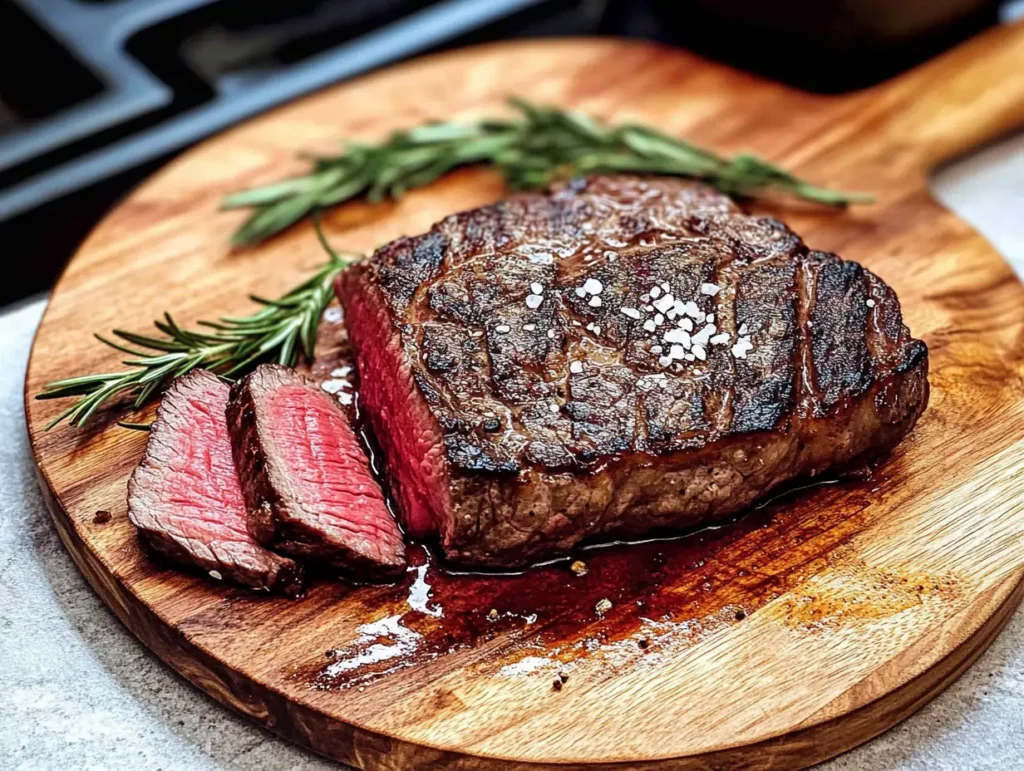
<point>961,100</point>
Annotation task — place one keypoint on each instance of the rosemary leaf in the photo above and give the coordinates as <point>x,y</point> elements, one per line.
<point>135,426</point>
<point>282,330</point>
<point>542,144</point>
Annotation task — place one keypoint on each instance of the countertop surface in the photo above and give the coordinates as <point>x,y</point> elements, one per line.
<point>77,691</point>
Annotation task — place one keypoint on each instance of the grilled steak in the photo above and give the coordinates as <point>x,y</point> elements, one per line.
<point>185,498</point>
<point>306,481</point>
<point>620,356</point>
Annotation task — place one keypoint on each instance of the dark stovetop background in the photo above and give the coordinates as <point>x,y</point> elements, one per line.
<point>96,94</point>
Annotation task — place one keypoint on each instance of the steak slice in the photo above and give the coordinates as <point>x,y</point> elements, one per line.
<point>306,482</point>
<point>620,356</point>
<point>185,499</point>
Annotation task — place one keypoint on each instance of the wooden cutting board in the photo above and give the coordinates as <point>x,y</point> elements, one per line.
<point>787,638</point>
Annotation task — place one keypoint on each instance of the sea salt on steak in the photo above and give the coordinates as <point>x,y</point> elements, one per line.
<point>185,499</point>
<point>619,357</point>
<point>306,481</point>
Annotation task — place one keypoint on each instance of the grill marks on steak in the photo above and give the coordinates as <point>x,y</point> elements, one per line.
<point>496,442</point>
<point>185,499</point>
<point>306,481</point>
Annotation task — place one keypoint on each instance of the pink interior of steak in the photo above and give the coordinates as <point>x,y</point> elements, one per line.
<point>327,469</point>
<point>406,430</point>
<point>202,488</point>
<point>185,496</point>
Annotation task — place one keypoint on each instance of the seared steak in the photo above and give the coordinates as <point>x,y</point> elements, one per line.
<point>620,356</point>
<point>306,481</point>
<point>185,499</point>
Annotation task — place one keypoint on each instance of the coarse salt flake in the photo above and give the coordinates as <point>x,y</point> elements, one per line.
<point>721,339</point>
<point>595,302</point>
<point>680,336</point>
<point>743,329</point>
<point>529,327</point>
<point>576,367</point>
<point>650,326</point>
<point>663,303</point>
<point>633,313</point>
<point>503,328</point>
<point>592,286</point>
<point>699,352</point>
<point>581,292</point>
<point>554,407</point>
<point>655,291</point>
<point>702,337</point>
<point>537,288</point>
<point>710,289</point>
<point>739,350</point>
<point>533,301</point>
<point>871,303</point>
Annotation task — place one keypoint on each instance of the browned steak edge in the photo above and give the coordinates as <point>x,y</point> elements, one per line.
<point>636,496</point>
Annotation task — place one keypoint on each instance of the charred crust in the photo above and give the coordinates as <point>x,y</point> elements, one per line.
<point>916,355</point>
<point>476,347</point>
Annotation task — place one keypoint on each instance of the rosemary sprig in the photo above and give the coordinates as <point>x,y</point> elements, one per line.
<point>532,150</point>
<point>282,330</point>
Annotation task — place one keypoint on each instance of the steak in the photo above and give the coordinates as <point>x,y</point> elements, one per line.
<point>305,479</point>
<point>620,356</point>
<point>185,499</point>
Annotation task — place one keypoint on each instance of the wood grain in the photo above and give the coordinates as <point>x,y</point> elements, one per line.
<point>841,613</point>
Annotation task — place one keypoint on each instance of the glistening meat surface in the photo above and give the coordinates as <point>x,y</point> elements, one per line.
<point>621,356</point>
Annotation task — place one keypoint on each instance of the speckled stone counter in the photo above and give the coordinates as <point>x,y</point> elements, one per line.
<point>77,691</point>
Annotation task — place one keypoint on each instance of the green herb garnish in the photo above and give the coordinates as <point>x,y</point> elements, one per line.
<point>540,146</point>
<point>281,331</point>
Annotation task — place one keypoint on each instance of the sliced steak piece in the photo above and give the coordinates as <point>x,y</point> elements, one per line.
<point>306,481</point>
<point>621,356</point>
<point>185,499</point>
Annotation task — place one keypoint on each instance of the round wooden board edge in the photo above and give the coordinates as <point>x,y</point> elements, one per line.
<point>362,748</point>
